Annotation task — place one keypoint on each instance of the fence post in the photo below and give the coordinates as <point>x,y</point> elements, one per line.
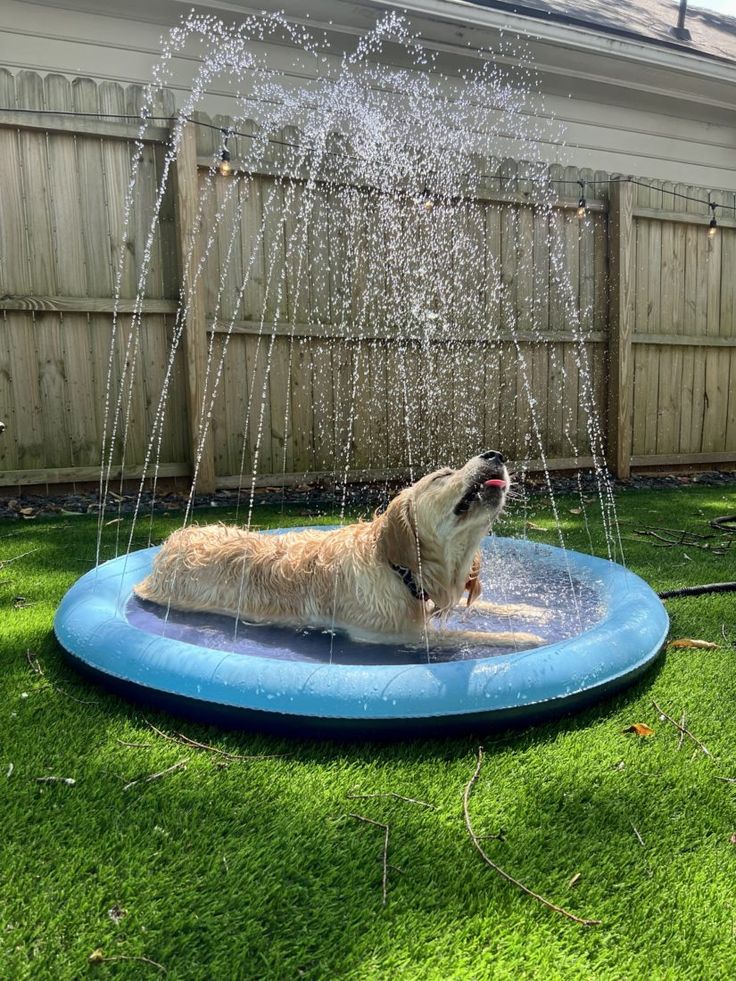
<point>194,337</point>
<point>622,257</point>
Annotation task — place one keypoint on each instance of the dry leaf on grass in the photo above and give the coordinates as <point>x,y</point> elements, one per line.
<point>576,510</point>
<point>640,729</point>
<point>690,642</point>
<point>732,839</point>
<point>574,881</point>
<point>530,526</point>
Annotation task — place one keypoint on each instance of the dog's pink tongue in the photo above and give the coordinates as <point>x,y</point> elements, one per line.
<point>495,483</point>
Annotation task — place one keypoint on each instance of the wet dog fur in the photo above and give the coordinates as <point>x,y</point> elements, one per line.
<point>389,580</point>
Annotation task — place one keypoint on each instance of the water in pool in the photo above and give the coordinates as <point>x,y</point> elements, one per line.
<point>568,604</point>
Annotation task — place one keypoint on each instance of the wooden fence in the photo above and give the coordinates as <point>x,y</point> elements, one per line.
<point>305,388</point>
<point>678,319</point>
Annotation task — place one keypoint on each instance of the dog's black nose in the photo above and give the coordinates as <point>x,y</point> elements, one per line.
<point>493,456</point>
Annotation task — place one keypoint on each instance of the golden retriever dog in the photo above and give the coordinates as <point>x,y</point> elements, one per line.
<point>389,580</point>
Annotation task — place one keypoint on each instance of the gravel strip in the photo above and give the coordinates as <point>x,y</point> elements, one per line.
<point>318,499</point>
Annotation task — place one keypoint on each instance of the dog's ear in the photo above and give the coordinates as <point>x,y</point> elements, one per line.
<point>473,584</point>
<point>397,537</point>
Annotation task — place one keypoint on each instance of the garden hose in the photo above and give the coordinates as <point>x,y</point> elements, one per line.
<point>712,587</point>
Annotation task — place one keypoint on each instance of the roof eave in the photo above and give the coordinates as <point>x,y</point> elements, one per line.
<point>569,20</point>
<point>631,48</point>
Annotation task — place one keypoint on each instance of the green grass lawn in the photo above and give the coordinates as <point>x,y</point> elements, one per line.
<point>254,869</point>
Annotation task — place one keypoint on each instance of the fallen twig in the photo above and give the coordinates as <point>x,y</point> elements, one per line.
<point>155,776</point>
<point>69,781</point>
<point>100,957</point>
<point>37,531</point>
<point>679,532</point>
<point>377,824</point>
<point>628,538</point>
<point>79,701</point>
<point>639,837</point>
<point>35,666</point>
<point>499,836</point>
<point>681,740</point>
<point>671,537</point>
<point>183,740</point>
<point>4,562</point>
<point>509,878</point>
<point>409,800</point>
<point>681,728</point>
<point>653,534</point>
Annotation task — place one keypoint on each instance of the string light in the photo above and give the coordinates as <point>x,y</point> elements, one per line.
<point>582,206</point>
<point>225,167</point>
<point>225,164</point>
<point>712,224</point>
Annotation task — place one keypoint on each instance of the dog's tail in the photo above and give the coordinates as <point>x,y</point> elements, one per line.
<point>146,590</point>
<point>158,586</point>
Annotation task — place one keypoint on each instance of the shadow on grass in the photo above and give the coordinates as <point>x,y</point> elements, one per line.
<point>527,732</point>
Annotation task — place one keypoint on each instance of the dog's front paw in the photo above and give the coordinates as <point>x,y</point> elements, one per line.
<point>522,641</point>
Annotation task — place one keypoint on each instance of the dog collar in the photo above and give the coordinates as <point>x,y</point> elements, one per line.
<point>410,582</point>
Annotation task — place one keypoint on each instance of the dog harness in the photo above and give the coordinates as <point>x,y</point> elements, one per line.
<point>410,582</point>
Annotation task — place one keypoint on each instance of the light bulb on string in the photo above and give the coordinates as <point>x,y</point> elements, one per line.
<point>426,201</point>
<point>712,224</point>
<point>582,204</point>
<point>225,166</point>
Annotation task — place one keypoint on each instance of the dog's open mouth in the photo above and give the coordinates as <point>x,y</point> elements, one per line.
<point>481,491</point>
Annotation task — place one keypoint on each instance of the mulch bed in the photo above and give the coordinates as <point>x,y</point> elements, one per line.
<point>313,499</point>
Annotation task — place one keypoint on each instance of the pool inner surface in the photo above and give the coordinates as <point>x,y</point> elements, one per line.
<point>572,604</point>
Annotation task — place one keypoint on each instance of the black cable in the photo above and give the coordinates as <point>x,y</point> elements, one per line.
<point>713,587</point>
<point>285,143</point>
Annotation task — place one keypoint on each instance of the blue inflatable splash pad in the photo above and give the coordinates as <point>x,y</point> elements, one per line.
<point>602,625</point>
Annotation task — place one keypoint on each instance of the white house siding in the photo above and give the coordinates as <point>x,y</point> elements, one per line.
<point>625,106</point>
